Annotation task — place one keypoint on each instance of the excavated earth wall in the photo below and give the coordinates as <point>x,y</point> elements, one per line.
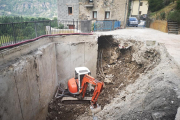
<point>30,73</point>
<point>141,81</point>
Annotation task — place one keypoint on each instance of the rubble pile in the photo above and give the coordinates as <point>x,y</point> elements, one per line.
<point>142,81</point>
<point>117,65</point>
<point>61,111</point>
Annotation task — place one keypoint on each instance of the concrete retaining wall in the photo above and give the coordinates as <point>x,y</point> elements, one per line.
<point>159,25</point>
<point>75,51</point>
<point>28,85</point>
<point>75,55</point>
<point>30,74</point>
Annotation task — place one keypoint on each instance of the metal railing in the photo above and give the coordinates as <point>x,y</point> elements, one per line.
<point>12,33</point>
<point>106,25</point>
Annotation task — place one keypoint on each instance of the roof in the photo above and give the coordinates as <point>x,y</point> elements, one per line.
<point>81,69</point>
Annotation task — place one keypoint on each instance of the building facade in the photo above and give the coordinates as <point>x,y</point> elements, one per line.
<point>139,7</point>
<point>93,9</point>
<point>68,9</point>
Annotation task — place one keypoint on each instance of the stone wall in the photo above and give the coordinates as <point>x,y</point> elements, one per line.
<point>116,7</point>
<point>159,25</point>
<point>30,73</point>
<point>63,9</point>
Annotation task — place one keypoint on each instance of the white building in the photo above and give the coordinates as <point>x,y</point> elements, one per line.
<point>139,8</point>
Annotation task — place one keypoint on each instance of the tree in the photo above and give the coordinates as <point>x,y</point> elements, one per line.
<point>178,5</point>
<point>155,5</point>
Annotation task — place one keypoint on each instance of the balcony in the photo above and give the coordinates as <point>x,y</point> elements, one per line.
<point>89,4</point>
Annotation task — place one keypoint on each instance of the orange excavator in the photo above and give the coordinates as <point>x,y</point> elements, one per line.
<point>77,86</point>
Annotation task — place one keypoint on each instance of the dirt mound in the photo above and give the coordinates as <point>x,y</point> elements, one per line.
<point>143,83</point>
<point>60,111</point>
<point>117,65</point>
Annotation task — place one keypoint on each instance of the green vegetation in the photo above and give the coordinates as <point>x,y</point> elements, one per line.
<point>174,16</point>
<point>35,8</point>
<point>16,19</point>
<point>129,7</point>
<point>92,26</point>
<point>155,5</point>
<point>170,12</point>
<point>5,39</point>
<point>178,5</point>
<point>162,15</point>
<point>61,26</point>
<point>16,32</point>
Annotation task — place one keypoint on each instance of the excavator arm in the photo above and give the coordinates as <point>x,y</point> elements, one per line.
<point>98,88</point>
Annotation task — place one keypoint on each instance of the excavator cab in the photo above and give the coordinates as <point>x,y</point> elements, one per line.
<point>79,74</point>
<point>74,84</point>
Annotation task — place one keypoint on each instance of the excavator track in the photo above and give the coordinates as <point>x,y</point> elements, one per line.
<point>72,100</point>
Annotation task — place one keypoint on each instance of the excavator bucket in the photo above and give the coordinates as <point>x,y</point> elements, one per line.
<point>95,110</point>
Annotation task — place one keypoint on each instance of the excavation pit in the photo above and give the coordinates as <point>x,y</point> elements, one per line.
<point>137,83</point>
<point>119,63</point>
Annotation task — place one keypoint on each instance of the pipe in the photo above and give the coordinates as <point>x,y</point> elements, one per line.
<point>138,10</point>
<point>125,16</point>
<point>26,41</point>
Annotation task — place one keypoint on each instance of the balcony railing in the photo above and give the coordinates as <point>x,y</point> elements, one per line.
<point>13,33</point>
<point>89,4</point>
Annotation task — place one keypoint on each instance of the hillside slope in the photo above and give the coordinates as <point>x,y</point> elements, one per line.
<point>158,14</point>
<point>36,8</point>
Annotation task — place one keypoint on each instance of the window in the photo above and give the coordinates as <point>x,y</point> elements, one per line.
<point>107,15</point>
<point>94,14</point>
<point>70,10</point>
<point>90,0</point>
<point>141,3</point>
<point>132,19</point>
<point>139,12</point>
<point>76,75</point>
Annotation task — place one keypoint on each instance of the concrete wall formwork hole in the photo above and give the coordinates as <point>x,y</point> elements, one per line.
<point>28,83</point>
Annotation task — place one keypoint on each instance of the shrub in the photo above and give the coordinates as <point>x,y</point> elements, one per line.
<point>166,2</point>
<point>162,15</point>
<point>92,26</point>
<point>178,5</point>
<point>61,26</point>
<point>174,16</point>
<point>157,17</point>
<point>155,5</point>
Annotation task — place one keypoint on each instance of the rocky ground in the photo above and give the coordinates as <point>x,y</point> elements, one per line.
<point>142,82</point>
